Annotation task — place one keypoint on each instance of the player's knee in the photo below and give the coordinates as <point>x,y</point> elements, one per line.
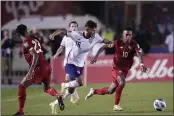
<point>80,82</point>
<point>122,83</point>
<point>70,90</point>
<point>111,91</point>
<point>23,84</point>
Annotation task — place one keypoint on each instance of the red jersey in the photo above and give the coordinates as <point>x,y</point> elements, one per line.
<point>124,54</point>
<point>30,43</point>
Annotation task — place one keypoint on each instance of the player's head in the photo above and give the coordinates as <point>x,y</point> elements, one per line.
<point>73,26</point>
<point>90,27</point>
<point>22,30</point>
<point>127,33</point>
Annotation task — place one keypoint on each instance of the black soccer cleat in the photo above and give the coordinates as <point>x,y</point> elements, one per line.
<point>18,114</point>
<point>60,102</point>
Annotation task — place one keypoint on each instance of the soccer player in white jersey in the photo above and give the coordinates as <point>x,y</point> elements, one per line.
<point>84,42</point>
<point>68,44</point>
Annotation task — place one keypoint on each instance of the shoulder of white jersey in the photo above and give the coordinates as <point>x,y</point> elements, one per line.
<point>97,36</point>
<point>80,33</point>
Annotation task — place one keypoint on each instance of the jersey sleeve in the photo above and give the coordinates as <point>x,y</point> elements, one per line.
<point>28,44</point>
<point>63,41</point>
<point>167,41</point>
<point>100,39</point>
<point>73,35</point>
<point>137,48</point>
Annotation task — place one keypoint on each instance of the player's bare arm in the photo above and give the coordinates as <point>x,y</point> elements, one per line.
<point>94,59</point>
<point>140,54</point>
<point>60,50</point>
<point>106,41</point>
<point>34,62</point>
<point>58,32</point>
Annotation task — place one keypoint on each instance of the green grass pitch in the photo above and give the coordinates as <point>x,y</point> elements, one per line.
<point>137,99</point>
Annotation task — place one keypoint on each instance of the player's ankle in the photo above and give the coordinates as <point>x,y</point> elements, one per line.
<point>20,111</point>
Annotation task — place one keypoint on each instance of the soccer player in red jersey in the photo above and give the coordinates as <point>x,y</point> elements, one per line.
<point>125,50</point>
<point>39,70</point>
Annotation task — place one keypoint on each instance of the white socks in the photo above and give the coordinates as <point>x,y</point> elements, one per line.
<point>76,96</point>
<point>66,94</point>
<point>72,84</point>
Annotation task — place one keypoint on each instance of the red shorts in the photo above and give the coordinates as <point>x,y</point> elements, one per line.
<point>118,72</point>
<point>41,74</point>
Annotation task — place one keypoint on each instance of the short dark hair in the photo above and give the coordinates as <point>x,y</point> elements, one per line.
<point>21,29</point>
<point>127,29</point>
<point>91,24</point>
<point>73,22</point>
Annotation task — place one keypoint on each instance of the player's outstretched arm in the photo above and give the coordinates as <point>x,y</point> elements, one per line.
<point>58,32</point>
<point>106,41</point>
<point>140,54</point>
<point>60,50</point>
<point>34,62</point>
<point>94,60</point>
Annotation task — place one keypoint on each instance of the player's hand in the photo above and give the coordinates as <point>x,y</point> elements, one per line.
<point>110,45</point>
<point>55,56</point>
<point>143,68</point>
<point>93,61</point>
<point>51,37</point>
<point>29,75</point>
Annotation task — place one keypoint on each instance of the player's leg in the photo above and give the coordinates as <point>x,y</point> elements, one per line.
<point>75,96</point>
<point>105,90</point>
<point>102,91</point>
<point>75,76</point>
<point>25,83</point>
<point>51,91</point>
<point>121,83</point>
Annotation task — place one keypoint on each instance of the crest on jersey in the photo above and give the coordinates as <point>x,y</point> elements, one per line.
<point>26,44</point>
<point>129,47</point>
<point>78,72</point>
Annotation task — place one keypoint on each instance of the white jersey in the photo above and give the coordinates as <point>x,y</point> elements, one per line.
<point>68,43</point>
<point>82,47</point>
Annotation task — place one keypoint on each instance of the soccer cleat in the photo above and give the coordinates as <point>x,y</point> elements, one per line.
<point>60,102</point>
<point>117,108</point>
<point>18,114</point>
<point>76,101</point>
<point>91,92</point>
<point>63,88</point>
<point>53,107</point>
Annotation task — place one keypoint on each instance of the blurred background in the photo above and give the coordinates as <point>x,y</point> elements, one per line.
<point>152,23</point>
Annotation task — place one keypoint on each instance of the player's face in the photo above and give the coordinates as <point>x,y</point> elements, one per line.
<point>127,35</point>
<point>73,27</point>
<point>90,31</point>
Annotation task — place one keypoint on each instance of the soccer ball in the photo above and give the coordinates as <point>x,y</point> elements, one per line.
<point>159,104</point>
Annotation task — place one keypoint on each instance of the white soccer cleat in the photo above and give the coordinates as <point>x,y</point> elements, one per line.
<point>91,92</point>
<point>63,88</point>
<point>117,108</point>
<point>76,101</point>
<point>53,106</point>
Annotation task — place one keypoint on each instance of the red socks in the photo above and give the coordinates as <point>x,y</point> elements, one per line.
<point>102,91</point>
<point>21,97</point>
<point>52,92</point>
<point>118,93</point>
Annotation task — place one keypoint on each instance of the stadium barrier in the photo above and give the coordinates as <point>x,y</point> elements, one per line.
<point>160,69</point>
<point>13,66</point>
